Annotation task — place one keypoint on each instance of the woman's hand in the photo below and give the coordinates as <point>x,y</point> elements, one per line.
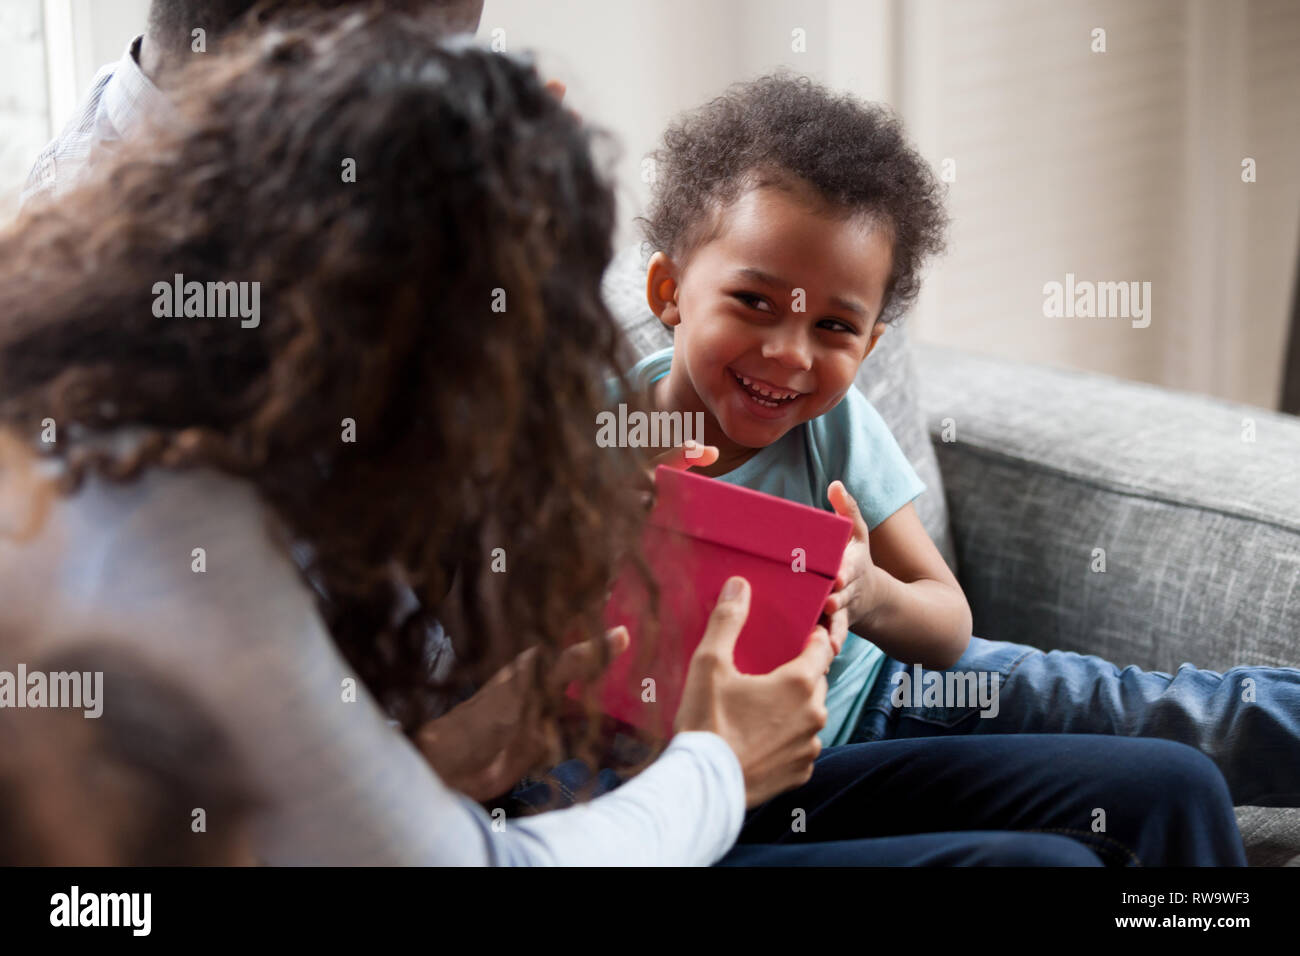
<point>483,746</point>
<point>770,720</point>
<point>858,585</point>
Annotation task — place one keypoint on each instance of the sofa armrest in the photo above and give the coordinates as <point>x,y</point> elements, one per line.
<point>1092,514</point>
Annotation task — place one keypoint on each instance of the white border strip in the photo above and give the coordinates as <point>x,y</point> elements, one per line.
<point>60,63</point>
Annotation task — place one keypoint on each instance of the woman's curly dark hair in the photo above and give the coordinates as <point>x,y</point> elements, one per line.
<point>447,301</point>
<point>787,130</point>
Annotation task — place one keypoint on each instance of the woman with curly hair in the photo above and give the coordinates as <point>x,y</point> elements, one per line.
<point>273,511</point>
<point>311,371</point>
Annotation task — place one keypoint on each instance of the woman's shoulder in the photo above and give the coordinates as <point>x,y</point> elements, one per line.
<point>137,521</point>
<point>181,570</point>
<point>113,555</point>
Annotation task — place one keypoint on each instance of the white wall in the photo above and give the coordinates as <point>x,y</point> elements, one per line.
<point>24,106</point>
<point>81,36</point>
<point>630,66</point>
<point>1114,166</point>
<point>105,30</point>
<point>1123,165</point>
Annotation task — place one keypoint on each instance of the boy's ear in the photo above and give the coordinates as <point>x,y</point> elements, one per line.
<point>877,331</point>
<point>661,289</point>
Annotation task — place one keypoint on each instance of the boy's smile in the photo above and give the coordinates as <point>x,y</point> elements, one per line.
<point>773,314</point>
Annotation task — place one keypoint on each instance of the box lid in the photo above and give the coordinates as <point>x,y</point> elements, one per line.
<point>749,521</point>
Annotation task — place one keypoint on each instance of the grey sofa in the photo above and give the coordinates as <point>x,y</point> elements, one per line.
<point>1030,470</point>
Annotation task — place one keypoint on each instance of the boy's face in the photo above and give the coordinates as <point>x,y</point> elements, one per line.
<point>783,300</point>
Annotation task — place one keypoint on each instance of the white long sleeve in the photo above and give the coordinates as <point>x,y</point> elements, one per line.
<point>686,809</point>
<point>340,786</point>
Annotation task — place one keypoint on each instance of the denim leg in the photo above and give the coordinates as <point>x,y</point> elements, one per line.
<point>1246,719</point>
<point>923,849</point>
<point>561,786</point>
<point>1132,802</point>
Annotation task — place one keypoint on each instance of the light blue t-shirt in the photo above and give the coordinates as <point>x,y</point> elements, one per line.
<point>851,442</point>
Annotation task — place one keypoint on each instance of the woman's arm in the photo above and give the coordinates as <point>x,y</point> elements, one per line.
<point>685,809</point>
<point>238,629</point>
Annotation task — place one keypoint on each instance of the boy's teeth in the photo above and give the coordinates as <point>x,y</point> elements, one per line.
<point>769,392</point>
<point>774,397</point>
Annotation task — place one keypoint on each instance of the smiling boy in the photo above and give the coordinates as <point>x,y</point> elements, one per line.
<point>789,226</point>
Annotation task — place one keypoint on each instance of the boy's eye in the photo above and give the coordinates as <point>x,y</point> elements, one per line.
<point>835,325</point>
<point>754,301</point>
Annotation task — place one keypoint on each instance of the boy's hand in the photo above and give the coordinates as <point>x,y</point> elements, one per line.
<point>837,628</point>
<point>857,587</point>
<point>689,455</point>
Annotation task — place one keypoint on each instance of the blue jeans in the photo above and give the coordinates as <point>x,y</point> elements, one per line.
<point>562,786</point>
<point>1028,800</point>
<point>1246,720</point>
<point>917,786</point>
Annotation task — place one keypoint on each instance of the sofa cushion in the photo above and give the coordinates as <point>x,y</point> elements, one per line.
<point>1147,526</point>
<point>1199,526</point>
<point>1271,835</point>
<point>887,378</point>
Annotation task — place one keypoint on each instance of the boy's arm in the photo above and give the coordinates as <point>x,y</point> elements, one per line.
<point>898,590</point>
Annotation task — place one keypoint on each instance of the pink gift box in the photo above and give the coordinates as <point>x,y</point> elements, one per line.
<point>700,533</point>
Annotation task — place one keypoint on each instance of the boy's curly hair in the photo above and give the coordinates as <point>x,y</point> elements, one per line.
<point>787,130</point>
